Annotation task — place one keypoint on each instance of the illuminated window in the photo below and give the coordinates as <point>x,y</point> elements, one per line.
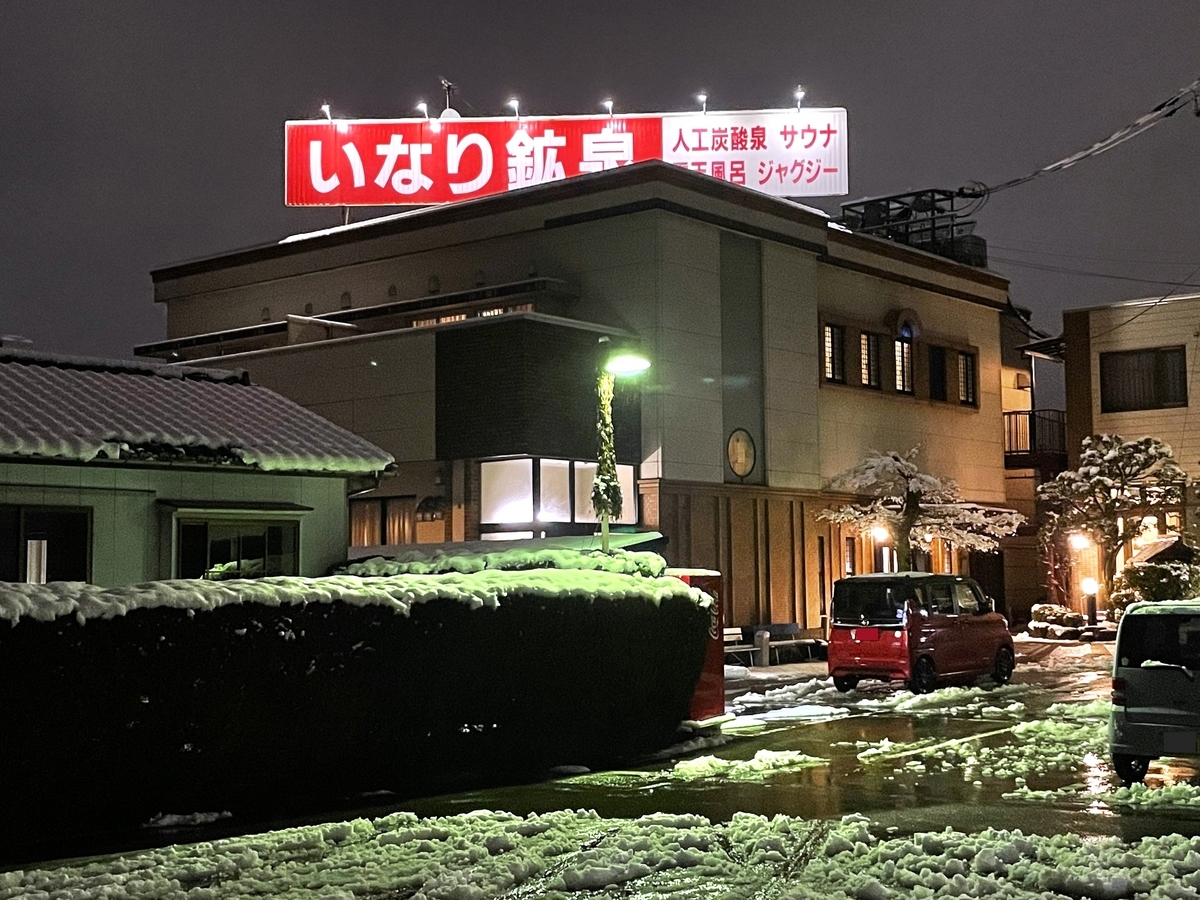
<point>554,496</point>
<point>904,365</point>
<point>869,354</point>
<point>585,476</point>
<point>495,311</point>
<point>506,491</point>
<point>382,520</point>
<point>835,353</point>
<point>967,380</point>
<point>457,317</point>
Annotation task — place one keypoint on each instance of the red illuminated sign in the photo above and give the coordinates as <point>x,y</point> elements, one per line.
<point>392,162</point>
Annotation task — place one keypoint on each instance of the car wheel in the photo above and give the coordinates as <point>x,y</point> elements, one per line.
<point>924,676</point>
<point>845,683</point>
<point>1005,663</point>
<point>1131,769</point>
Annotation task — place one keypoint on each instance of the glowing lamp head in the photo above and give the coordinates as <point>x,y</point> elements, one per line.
<point>516,106</point>
<point>799,95</point>
<point>608,105</point>
<point>702,99</point>
<point>1089,586</point>
<point>880,534</point>
<point>1079,541</point>
<point>626,363</point>
<point>423,109</point>
<point>325,110</point>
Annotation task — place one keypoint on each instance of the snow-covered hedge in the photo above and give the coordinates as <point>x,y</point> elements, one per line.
<point>397,592</point>
<point>418,562</point>
<point>193,694</point>
<point>1154,581</point>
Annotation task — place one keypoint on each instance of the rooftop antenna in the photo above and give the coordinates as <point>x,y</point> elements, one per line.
<point>449,87</point>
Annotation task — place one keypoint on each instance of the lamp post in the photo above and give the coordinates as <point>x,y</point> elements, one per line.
<point>606,490</point>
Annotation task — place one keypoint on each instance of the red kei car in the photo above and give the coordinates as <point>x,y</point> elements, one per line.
<point>918,628</point>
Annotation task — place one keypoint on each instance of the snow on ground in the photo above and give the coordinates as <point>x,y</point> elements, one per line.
<point>760,767</point>
<point>567,854</point>
<point>820,694</point>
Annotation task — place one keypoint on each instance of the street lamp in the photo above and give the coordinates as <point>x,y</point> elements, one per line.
<point>619,360</point>
<point>1090,587</point>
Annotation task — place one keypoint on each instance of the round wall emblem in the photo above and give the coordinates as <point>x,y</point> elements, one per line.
<point>740,451</point>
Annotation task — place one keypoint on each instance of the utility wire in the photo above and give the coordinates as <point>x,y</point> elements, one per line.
<point>1149,306</point>
<point>1166,109</point>
<point>1045,267</point>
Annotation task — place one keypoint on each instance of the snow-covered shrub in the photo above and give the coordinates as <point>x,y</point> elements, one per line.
<point>1055,614</point>
<point>1155,581</point>
<point>194,694</point>
<point>420,562</point>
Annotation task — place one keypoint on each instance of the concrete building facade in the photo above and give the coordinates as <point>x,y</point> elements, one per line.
<point>462,337</point>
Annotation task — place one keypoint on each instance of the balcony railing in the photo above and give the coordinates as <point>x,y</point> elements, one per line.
<point>1035,438</point>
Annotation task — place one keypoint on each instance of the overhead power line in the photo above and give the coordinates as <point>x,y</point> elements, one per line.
<point>1064,270</point>
<point>1166,109</point>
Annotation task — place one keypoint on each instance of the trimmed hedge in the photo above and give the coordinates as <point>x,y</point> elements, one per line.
<point>171,709</point>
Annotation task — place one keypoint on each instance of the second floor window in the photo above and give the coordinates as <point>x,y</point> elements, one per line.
<point>967,380</point>
<point>1154,378</point>
<point>869,351</point>
<point>835,353</point>
<point>904,365</point>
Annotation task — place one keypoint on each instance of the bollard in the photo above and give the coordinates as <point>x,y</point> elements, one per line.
<point>762,648</point>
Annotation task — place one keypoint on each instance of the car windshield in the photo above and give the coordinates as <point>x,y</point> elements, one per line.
<point>866,603</point>
<point>1167,640</point>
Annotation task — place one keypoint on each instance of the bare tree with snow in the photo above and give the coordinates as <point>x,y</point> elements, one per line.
<point>916,507</point>
<point>1116,480</point>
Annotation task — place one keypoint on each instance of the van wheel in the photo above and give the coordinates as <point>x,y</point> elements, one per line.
<point>924,676</point>
<point>1131,769</point>
<point>1005,663</point>
<point>845,683</point>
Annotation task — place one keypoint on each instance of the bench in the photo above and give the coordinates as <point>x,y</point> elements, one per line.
<point>768,638</point>
<point>734,645</point>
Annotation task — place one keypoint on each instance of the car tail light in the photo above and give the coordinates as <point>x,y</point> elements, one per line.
<point>1118,692</point>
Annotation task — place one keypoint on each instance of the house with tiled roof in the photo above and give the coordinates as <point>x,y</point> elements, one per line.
<point>116,472</point>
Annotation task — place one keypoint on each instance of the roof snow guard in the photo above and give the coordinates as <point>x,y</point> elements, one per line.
<point>82,409</point>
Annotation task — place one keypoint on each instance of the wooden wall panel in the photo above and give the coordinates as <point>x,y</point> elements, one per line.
<point>704,532</point>
<point>781,555</point>
<point>743,561</point>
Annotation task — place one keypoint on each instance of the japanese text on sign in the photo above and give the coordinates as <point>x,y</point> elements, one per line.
<point>787,153</point>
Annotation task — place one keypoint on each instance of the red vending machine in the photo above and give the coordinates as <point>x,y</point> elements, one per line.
<point>709,700</point>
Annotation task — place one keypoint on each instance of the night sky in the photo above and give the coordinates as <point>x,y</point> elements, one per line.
<point>136,135</point>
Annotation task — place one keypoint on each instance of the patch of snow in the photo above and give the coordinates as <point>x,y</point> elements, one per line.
<point>484,854</point>
<point>176,820</point>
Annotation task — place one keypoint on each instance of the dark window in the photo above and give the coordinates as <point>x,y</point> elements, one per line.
<point>1155,378</point>
<point>66,531</point>
<point>851,565</point>
<point>904,365</point>
<point>218,550</point>
<point>967,380</point>
<point>869,352</point>
<point>866,603</point>
<point>1167,638</point>
<point>937,373</point>
<point>835,353</point>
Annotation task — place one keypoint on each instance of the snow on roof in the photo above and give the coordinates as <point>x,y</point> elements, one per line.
<point>81,408</point>
<point>46,602</point>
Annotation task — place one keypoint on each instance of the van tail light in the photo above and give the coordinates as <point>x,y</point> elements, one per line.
<point>1118,692</point>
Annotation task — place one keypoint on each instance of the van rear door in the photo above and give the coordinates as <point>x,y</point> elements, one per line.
<point>1158,656</point>
<point>868,624</point>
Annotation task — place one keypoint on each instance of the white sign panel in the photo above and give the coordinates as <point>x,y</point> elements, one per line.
<point>785,153</point>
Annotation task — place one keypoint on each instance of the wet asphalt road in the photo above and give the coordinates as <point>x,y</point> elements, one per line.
<point>821,723</point>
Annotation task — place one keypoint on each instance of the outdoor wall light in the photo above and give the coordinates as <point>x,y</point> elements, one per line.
<point>880,534</point>
<point>1079,541</point>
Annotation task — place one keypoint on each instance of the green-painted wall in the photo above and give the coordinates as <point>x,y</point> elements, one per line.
<point>131,532</point>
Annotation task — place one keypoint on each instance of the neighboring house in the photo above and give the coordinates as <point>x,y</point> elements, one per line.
<point>1130,370</point>
<point>463,339</point>
<point>117,472</point>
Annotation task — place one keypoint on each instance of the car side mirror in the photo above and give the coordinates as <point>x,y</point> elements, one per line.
<point>986,605</point>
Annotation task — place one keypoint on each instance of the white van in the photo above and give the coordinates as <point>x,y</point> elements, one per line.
<point>1155,694</point>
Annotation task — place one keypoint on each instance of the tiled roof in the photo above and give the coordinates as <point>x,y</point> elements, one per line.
<point>76,408</point>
